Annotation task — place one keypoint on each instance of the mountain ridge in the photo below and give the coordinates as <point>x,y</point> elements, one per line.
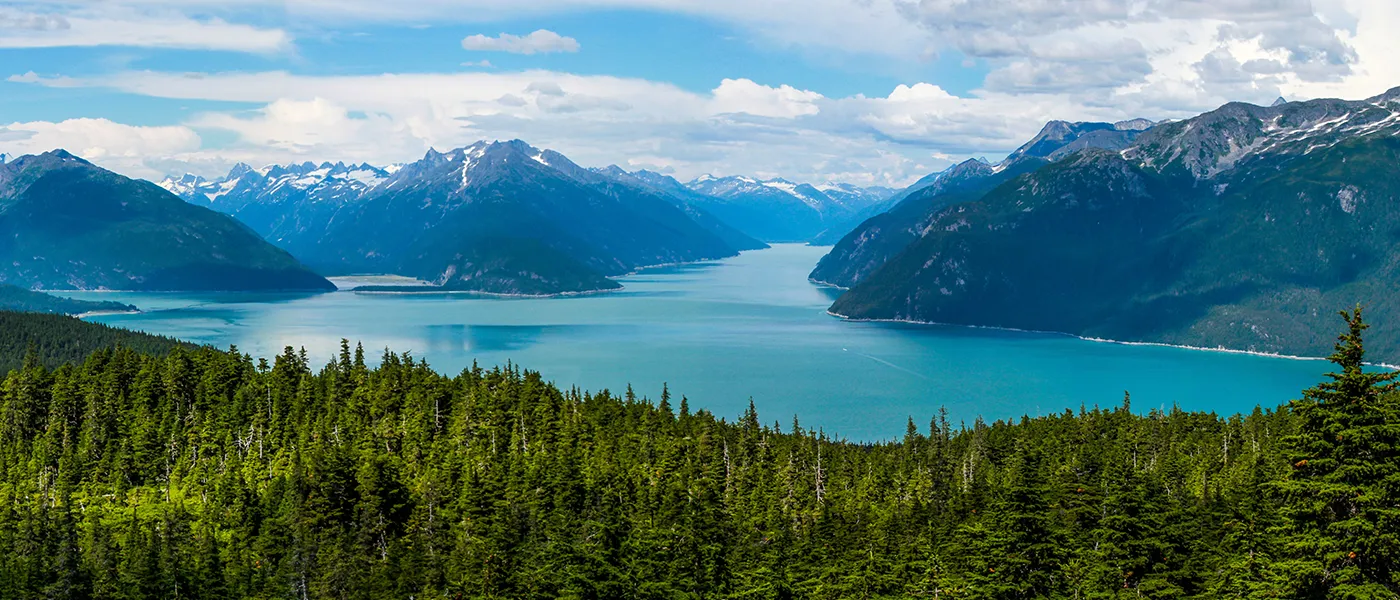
<point>493,217</point>
<point>68,224</point>
<point>1245,227</point>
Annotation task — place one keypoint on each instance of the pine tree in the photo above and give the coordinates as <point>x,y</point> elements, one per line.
<point>1342,518</point>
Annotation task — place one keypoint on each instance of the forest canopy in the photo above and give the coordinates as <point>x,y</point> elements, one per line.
<point>198,473</point>
<point>52,340</point>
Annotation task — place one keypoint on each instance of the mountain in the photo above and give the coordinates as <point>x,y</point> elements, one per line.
<point>278,201</point>
<point>1246,227</point>
<point>881,236</point>
<point>1058,139</point>
<point>833,234</point>
<point>777,210</point>
<point>18,299</point>
<point>506,218</point>
<point>685,199</point>
<point>65,224</point>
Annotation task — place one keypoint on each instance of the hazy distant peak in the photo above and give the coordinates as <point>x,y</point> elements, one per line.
<point>1138,124</point>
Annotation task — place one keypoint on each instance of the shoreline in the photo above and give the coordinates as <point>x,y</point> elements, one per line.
<point>103,313</point>
<point>480,293</point>
<point>827,284</point>
<point>1219,349</point>
<point>634,271</point>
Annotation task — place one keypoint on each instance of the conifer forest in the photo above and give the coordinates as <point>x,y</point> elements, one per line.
<point>201,473</point>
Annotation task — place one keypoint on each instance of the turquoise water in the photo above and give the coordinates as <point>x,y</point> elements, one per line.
<point>722,332</point>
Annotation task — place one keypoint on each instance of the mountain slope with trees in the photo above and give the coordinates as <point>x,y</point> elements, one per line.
<point>866,245</point>
<point>1239,228</point>
<point>67,224</point>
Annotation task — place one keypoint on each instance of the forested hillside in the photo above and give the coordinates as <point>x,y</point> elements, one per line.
<point>69,224</point>
<point>53,340</point>
<point>1241,228</point>
<point>209,474</point>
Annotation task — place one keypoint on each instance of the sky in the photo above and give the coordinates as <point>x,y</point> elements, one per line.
<point>870,92</point>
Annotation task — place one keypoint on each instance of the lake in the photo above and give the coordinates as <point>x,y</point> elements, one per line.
<point>725,331</point>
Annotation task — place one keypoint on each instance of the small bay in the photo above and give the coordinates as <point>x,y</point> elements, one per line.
<point>725,331</point>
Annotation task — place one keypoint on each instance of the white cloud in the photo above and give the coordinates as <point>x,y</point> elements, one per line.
<point>540,41</point>
<point>130,149</point>
<point>737,128</point>
<point>876,27</point>
<point>1049,59</point>
<point>745,96</point>
<point>114,25</point>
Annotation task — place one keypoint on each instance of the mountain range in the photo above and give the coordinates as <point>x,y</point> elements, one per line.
<point>778,210</point>
<point>1246,227</point>
<point>494,217</point>
<point>68,224</point>
<point>879,238</point>
<point>280,198</point>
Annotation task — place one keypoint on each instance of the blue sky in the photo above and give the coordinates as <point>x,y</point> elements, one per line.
<point>865,91</point>
<point>692,53</point>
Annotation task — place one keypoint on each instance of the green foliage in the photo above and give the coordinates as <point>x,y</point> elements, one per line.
<point>53,340</point>
<point>208,474</point>
<point>1343,516</point>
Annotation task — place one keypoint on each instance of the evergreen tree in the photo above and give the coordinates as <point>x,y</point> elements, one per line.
<point>1342,515</point>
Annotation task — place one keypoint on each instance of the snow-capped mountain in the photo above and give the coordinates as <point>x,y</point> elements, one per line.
<point>501,217</point>
<point>269,199</point>
<point>245,185</point>
<point>855,197</point>
<point>1236,134</point>
<point>778,210</point>
<point>4,158</point>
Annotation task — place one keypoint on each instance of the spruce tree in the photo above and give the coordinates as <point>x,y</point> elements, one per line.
<point>1342,518</point>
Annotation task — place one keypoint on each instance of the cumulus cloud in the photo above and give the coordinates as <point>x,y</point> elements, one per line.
<point>126,148</point>
<point>1047,59</point>
<point>738,127</point>
<point>540,41</point>
<point>745,96</point>
<point>1111,45</point>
